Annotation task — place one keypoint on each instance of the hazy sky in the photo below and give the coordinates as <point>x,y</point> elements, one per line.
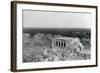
<point>43,19</point>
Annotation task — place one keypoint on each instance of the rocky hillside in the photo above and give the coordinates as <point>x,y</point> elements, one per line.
<point>37,48</point>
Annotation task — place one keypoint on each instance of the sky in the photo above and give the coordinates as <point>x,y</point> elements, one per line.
<point>49,19</point>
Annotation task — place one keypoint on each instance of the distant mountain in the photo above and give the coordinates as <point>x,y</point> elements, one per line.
<point>70,32</point>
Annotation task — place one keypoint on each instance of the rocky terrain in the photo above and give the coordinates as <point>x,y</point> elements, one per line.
<point>37,48</point>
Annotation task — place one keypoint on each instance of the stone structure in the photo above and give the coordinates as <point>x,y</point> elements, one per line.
<point>65,42</point>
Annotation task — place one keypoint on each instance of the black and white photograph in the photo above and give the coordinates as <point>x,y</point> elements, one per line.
<point>55,43</point>
<point>49,36</point>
